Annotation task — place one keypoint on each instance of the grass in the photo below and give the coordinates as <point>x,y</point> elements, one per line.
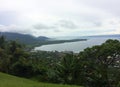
<point>13,81</point>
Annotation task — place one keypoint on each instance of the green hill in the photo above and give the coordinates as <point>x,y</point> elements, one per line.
<point>12,81</point>
<point>23,38</point>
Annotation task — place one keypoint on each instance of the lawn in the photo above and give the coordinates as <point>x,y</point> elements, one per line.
<point>13,81</point>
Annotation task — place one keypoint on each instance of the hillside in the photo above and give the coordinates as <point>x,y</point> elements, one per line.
<point>12,81</point>
<point>23,38</point>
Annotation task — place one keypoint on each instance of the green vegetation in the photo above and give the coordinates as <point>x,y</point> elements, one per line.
<point>98,66</point>
<point>12,81</point>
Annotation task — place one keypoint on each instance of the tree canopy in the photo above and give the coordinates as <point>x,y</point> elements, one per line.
<point>98,66</point>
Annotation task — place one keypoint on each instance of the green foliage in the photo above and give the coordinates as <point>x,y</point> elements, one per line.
<point>101,64</point>
<point>68,69</point>
<point>98,66</point>
<point>2,42</point>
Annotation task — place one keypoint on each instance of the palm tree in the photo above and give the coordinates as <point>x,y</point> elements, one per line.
<point>68,69</point>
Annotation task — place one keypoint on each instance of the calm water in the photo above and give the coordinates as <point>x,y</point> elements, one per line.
<point>75,46</point>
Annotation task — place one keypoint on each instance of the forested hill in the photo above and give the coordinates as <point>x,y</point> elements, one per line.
<point>23,38</point>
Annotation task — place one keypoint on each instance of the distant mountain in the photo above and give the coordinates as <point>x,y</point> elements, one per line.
<point>42,38</point>
<point>23,38</point>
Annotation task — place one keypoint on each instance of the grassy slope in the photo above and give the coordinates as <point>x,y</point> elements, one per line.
<point>12,81</point>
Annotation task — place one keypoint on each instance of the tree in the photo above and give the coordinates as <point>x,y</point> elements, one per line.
<point>68,69</point>
<point>4,61</point>
<point>2,42</point>
<point>101,64</point>
<point>4,58</point>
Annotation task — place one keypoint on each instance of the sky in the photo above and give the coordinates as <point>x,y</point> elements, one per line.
<point>60,17</point>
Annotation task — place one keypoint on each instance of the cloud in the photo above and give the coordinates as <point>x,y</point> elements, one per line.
<point>15,28</point>
<point>61,17</point>
<point>67,24</point>
<point>56,25</point>
<point>43,26</point>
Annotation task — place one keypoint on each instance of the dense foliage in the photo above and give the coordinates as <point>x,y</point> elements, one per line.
<point>98,66</point>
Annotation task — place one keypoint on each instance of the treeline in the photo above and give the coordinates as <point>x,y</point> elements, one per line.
<point>98,66</point>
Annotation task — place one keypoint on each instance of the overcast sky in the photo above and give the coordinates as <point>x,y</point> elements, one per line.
<point>60,17</point>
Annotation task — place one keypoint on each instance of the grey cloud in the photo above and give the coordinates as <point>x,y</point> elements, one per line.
<point>67,24</point>
<point>43,26</point>
<point>56,26</point>
<point>15,28</point>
